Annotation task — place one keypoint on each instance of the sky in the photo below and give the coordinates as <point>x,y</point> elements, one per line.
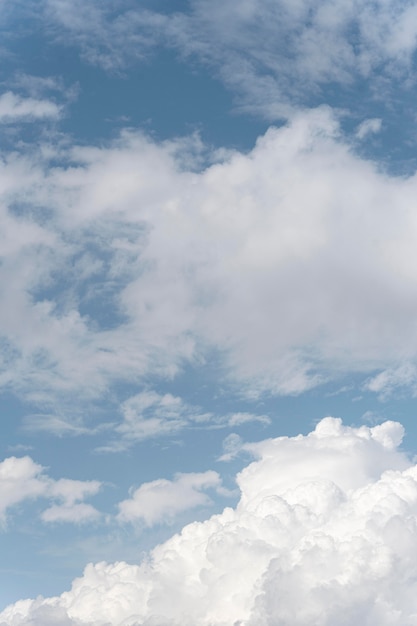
<point>208,330</point>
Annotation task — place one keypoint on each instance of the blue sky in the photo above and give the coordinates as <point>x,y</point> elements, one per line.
<point>208,239</point>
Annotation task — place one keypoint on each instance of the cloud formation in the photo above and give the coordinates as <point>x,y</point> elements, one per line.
<point>21,479</point>
<point>294,263</point>
<point>325,532</point>
<point>17,108</point>
<point>160,500</point>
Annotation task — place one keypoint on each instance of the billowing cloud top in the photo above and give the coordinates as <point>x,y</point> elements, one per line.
<point>325,533</point>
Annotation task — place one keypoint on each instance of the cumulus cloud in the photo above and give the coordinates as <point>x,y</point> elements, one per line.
<point>325,532</point>
<point>22,479</point>
<point>160,500</point>
<point>294,263</point>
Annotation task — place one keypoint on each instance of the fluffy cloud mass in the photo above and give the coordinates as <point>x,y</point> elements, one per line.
<point>294,263</point>
<point>325,532</point>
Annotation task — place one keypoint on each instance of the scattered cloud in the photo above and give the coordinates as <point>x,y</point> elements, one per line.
<point>59,426</point>
<point>232,446</point>
<point>75,513</point>
<point>270,54</point>
<point>161,500</point>
<point>150,414</point>
<point>22,479</point>
<point>368,127</point>
<point>14,108</point>
<point>106,35</point>
<point>393,380</point>
<point>325,527</point>
<point>244,418</point>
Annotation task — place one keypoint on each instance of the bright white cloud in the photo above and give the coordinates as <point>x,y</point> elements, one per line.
<point>22,479</point>
<point>295,261</point>
<point>161,500</point>
<point>19,479</point>
<point>14,107</point>
<point>75,513</point>
<point>325,532</point>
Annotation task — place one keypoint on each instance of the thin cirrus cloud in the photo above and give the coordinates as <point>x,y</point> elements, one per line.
<point>325,530</point>
<point>23,480</point>
<point>293,262</point>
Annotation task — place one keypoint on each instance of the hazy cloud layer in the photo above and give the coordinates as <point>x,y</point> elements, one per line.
<point>325,532</point>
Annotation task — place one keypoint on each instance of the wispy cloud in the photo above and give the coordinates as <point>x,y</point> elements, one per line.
<point>270,54</point>
<point>395,379</point>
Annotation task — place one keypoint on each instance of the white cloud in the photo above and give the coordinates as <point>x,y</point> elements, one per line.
<point>19,480</point>
<point>150,414</point>
<point>325,532</point>
<point>22,479</point>
<point>243,418</point>
<point>14,107</point>
<point>75,513</point>
<point>161,500</point>
<point>295,261</point>
<point>232,446</point>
